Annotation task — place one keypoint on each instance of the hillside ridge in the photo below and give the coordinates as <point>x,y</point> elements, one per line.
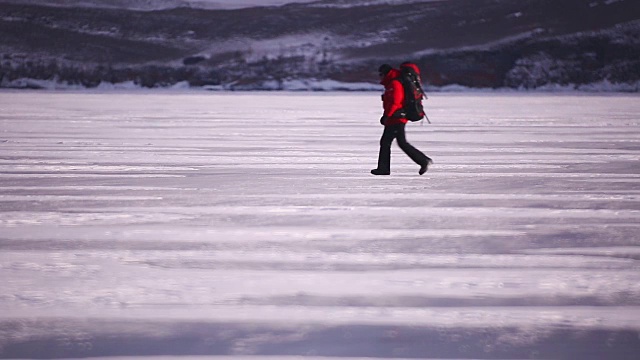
<point>472,43</point>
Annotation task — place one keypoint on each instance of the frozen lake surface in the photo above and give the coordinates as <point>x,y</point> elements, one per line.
<point>247,226</point>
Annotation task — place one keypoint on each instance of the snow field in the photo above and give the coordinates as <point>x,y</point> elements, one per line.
<point>247,225</point>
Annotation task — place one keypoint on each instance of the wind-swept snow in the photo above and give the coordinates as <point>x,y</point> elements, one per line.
<point>247,225</point>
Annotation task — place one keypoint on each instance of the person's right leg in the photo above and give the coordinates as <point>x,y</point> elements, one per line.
<point>416,155</point>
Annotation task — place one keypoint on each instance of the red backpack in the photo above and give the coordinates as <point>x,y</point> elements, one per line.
<point>413,92</point>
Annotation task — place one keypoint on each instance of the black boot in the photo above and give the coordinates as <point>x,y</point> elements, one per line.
<point>425,166</point>
<point>380,172</point>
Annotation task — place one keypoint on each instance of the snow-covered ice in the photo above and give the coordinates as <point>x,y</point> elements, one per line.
<point>247,226</point>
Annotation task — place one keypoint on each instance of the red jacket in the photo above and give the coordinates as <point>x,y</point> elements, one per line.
<point>393,97</point>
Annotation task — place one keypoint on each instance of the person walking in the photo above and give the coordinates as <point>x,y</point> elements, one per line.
<point>394,122</point>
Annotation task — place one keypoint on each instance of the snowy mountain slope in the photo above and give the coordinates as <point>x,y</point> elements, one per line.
<point>110,4</point>
<point>158,4</point>
<point>479,43</point>
<point>204,4</point>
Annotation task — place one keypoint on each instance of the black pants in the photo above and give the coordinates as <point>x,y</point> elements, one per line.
<point>397,132</point>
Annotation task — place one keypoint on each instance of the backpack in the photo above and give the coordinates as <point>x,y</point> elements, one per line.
<point>413,92</point>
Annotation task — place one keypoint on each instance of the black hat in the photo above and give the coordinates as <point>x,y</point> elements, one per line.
<point>384,69</point>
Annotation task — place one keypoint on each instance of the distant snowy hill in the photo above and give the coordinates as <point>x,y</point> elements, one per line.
<point>470,43</point>
<point>151,5</point>
<point>159,4</point>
